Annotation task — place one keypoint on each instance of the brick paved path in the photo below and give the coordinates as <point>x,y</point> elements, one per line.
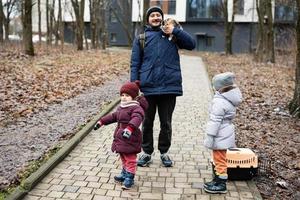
<point>87,173</point>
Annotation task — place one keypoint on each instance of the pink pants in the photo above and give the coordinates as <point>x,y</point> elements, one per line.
<point>129,162</point>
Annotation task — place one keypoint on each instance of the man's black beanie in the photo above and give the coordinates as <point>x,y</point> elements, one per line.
<point>154,9</point>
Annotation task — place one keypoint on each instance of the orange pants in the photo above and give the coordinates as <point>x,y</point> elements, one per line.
<point>219,157</point>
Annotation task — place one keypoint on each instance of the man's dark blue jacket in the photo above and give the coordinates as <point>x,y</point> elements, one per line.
<point>157,66</point>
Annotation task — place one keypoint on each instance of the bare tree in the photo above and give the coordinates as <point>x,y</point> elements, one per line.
<point>39,20</point>
<point>104,6</point>
<point>9,6</point>
<point>265,45</point>
<point>27,28</point>
<point>229,25</point>
<point>94,10</point>
<point>146,6</point>
<point>49,34</point>
<point>294,106</point>
<point>1,21</point>
<point>60,25</point>
<point>78,7</point>
<point>122,11</point>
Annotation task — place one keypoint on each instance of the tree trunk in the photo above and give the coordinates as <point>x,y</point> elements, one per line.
<point>1,22</point>
<point>79,14</point>
<point>52,21</point>
<point>270,34</point>
<point>102,25</point>
<point>48,23</point>
<point>6,27</point>
<point>294,106</point>
<point>27,29</point>
<point>61,25</point>
<point>146,7</point>
<point>94,9</point>
<point>265,45</point>
<point>229,27</point>
<point>39,20</point>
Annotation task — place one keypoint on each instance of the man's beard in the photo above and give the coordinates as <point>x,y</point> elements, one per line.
<point>157,27</point>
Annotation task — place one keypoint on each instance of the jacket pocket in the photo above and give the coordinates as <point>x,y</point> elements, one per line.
<point>146,76</point>
<point>172,74</point>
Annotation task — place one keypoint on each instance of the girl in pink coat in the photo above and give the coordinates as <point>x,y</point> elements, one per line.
<point>127,138</point>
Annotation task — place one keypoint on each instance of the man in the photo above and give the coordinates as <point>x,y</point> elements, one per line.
<point>156,65</point>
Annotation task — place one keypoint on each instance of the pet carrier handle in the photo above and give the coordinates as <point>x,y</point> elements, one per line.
<point>234,149</point>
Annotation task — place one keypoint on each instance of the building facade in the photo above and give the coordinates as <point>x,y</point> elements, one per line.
<point>203,19</point>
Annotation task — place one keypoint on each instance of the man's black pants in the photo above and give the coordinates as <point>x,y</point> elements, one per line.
<point>165,105</point>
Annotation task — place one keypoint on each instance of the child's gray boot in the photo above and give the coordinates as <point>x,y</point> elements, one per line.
<point>216,186</point>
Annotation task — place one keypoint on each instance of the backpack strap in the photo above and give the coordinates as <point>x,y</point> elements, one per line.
<point>142,38</point>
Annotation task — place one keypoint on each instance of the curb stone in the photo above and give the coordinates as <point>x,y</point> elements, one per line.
<point>38,175</point>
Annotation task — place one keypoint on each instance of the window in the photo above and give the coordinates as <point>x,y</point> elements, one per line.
<point>112,17</point>
<point>113,37</point>
<point>239,7</point>
<point>204,9</point>
<point>167,6</point>
<point>285,11</point>
<point>205,42</point>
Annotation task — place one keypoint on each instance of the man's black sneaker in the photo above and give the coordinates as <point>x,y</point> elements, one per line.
<point>166,161</point>
<point>144,160</point>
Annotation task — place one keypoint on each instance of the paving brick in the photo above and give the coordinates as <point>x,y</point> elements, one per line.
<point>107,186</point>
<point>174,190</point>
<point>217,197</point>
<point>91,173</point>
<point>43,186</point>
<point>101,197</point>
<point>39,192</point>
<point>78,172</point>
<point>183,185</point>
<point>244,194</point>
<point>31,197</point>
<point>113,193</point>
<point>71,189</point>
<point>202,197</point>
<point>172,196</point>
<point>67,182</point>
<point>92,179</point>
<point>55,194</point>
<point>144,189</point>
<point>69,195</point>
<point>85,196</point>
<point>85,190</point>
<point>150,196</point>
<point>55,181</point>
<point>188,197</point>
<point>47,198</point>
<point>191,191</point>
<point>80,183</point>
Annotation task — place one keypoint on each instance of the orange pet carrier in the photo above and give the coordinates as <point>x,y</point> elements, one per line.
<point>242,164</point>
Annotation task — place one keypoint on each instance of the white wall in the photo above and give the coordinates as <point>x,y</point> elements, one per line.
<point>250,14</point>
<point>67,13</point>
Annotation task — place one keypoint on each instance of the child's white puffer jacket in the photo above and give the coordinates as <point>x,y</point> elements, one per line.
<point>220,132</point>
